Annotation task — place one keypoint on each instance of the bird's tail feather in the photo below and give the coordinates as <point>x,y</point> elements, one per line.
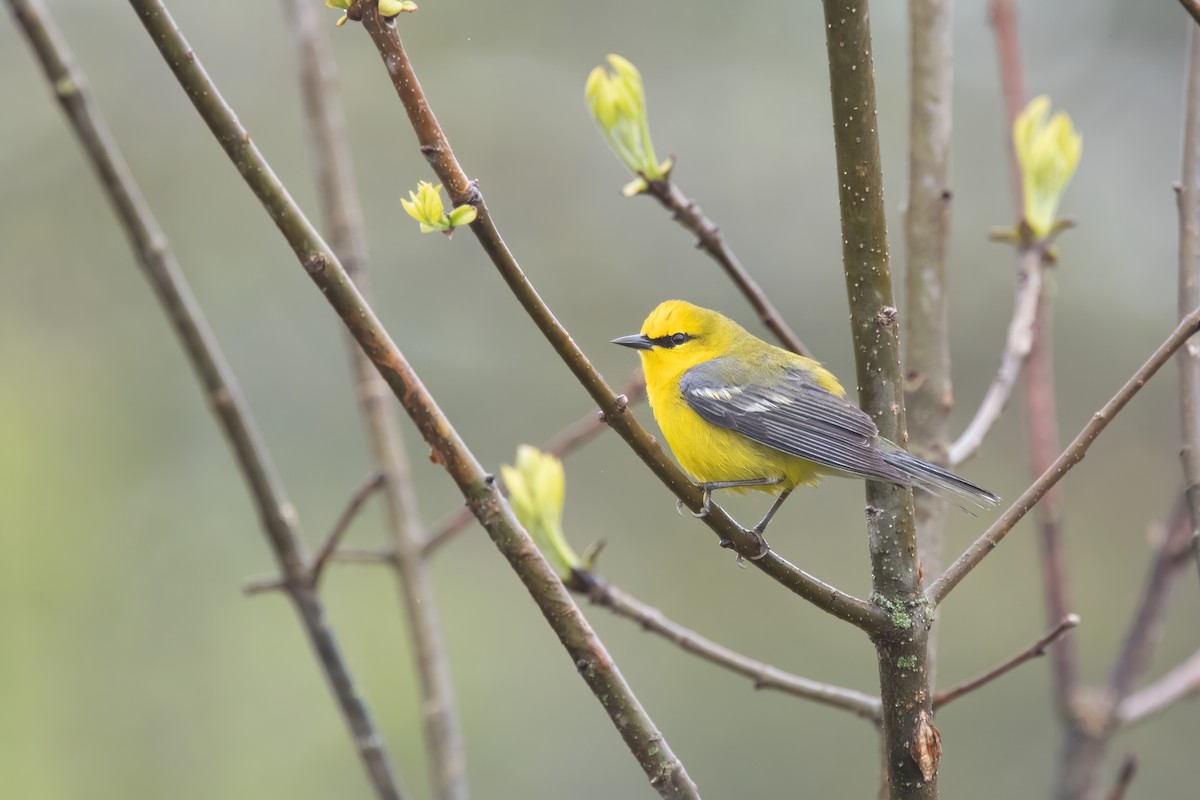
<point>939,481</point>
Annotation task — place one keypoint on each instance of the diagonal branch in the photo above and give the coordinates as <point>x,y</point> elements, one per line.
<point>436,149</point>
<point>1069,457</point>
<point>562,444</point>
<point>1145,628</point>
<point>343,219</point>
<point>1192,7</point>
<point>1179,684</point>
<point>1017,346</point>
<point>276,513</point>
<point>1033,651</point>
<point>709,239</point>
<point>665,772</point>
<point>602,593</point>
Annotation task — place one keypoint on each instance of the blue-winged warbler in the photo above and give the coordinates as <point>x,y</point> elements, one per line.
<point>741,414</point>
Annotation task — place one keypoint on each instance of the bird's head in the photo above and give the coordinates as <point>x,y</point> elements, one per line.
<point>678,335</point>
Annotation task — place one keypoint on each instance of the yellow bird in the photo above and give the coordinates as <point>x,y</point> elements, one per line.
<point>740,413</point>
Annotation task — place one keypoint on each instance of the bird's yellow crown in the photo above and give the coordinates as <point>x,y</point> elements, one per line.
<point>686,335</point>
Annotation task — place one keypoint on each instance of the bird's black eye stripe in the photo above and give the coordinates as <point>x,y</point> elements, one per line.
<point>672,340</point>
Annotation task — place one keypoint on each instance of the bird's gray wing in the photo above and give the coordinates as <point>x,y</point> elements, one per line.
<point>789,412</point>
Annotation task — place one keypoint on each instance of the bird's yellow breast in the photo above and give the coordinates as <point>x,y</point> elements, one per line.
<point>711,453</point>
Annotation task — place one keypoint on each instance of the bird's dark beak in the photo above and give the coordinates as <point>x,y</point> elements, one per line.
<point>638,341</point>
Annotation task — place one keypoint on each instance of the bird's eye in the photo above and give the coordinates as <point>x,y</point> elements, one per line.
<point>679,338</point>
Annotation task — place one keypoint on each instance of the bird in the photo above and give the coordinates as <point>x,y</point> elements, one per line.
<point>741,414</point>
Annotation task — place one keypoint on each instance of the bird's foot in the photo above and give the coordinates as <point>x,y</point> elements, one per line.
<point>706,506</point>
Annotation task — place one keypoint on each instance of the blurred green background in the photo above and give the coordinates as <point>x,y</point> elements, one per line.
<point>131,666</point>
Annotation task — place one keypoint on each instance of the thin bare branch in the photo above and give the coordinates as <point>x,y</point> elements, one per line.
<point>687,213</point>
<point>342,212</point>
<point>1072,455</point>
<point>346,556</point>
<point>277,515</point>
<point>1179,684</point>
<point>1033,651</point>
<point>1145,627</point>
<point>664,771</point>
<point>764,676</point>
<point>437,151</point>
<point>562,444</point>
<point>1124,777</point>
<point>1192,7</point>
<point>1017,345</point>
<point>373,484</point>
<point>1189,279</point>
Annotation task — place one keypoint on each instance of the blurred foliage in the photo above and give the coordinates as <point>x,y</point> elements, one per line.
<point>131,665</point>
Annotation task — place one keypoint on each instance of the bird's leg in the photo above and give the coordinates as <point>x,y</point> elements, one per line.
<point>757,530</point>
<point>711,486</point>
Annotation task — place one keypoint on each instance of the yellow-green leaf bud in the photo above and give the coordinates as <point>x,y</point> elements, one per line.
<point>1048,151</point>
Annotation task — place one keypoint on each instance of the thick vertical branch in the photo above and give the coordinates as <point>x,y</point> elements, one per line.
<point>1189,284</point>
<point>928,394</point>
<point>220,386</point>
<point>664,771</point>
<point>911,746</point>
<point>342,212</point>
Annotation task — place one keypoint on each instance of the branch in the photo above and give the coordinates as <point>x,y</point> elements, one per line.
<point>1192,7</point>
<point>317,568</point>
<point>342,212</point>
<point>586,651</point>
<point>1017,345</point>
<point>436,149</point>
<point>911,742</point>
<point>359,498</point>
<point>1034,650</point>
<point>1074,453</point>
<point>765,676</point>
<point>217,380</point>
<point>1124,778</point>
<point>1146,625</point>
<point>561,444</point>
<point>709,239</point>
<point>1189,278</point>
<point>1172,688</point>
<point>928,391</point>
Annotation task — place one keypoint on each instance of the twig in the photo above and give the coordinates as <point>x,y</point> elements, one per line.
<point>602,593</point>
<point>220,386</point>
<point>928,390</point>
<point>687,213</point>
<point>365,557</point>
<point>342,212</point>
<point>1179,684</point>
<point>1124,777</point>
<point>561,444</point>
<point>1069,457</point>
<point>317,568</point>
<point>359,498</point>
<point>911,742</point>
<point>1192,7</point>
<point>436,149</point>
<point>1189,277</point>
<point>1034,650</point>
<point>595,666</point>
<point>1146,625</point>
<point>1017,345</point>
